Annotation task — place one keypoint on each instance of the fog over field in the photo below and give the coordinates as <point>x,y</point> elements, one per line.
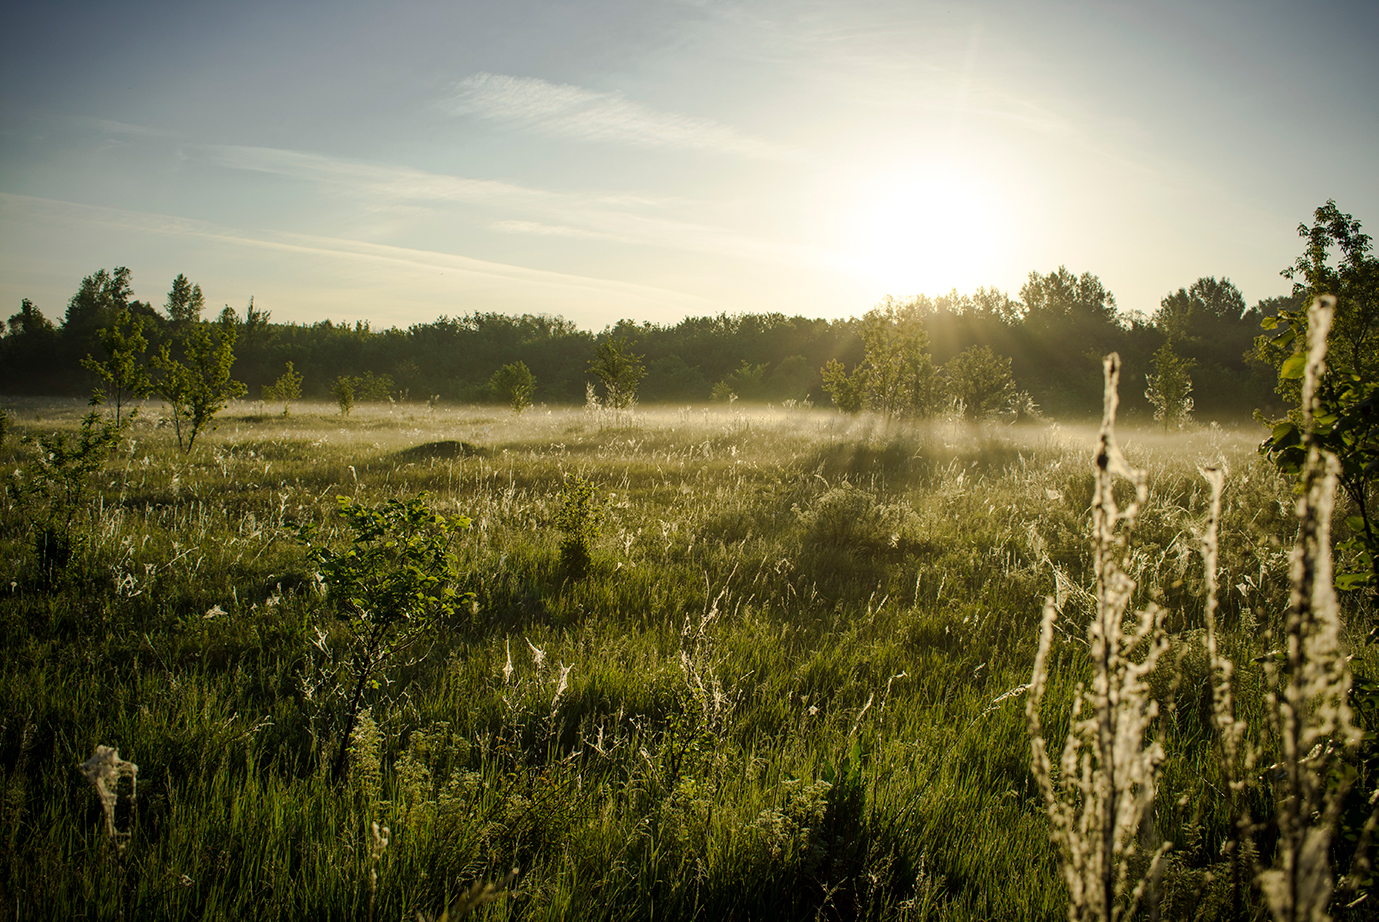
<point>689,459</point>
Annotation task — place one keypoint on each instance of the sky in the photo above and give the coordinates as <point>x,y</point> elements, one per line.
<point>657,159</point>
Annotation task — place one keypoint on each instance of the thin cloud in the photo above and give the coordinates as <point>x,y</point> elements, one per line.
<point>393,181</point>
<point>554,230</point>
<point>564,111</point>
<point>358,251</point>
<point>624,219</point>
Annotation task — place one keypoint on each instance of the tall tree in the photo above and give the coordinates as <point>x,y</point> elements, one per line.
<point>29,321</point>
<point>185,301</point>
<point>1061,296</point>
<point>101,296</point>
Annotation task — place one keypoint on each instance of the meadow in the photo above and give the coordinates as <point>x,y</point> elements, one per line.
<point>790,683</point>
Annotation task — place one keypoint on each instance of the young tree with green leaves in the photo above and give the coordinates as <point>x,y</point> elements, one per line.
<point>392,587</point>
<point>124,373</point>
<point>980,380</point>
<point>620,370</point>
<point>287,388</point>
<point>343,392</point>
<point>516,384</point>
<point>1170,387</point>
<point>897,374</point>
<point>197,386</point>
<point>1348,392</point>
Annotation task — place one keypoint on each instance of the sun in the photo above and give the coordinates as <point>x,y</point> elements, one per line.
<point>927,232</point>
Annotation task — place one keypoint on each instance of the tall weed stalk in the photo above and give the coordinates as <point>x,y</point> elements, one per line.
<point>1311,715</point>
<point>1102,789</point>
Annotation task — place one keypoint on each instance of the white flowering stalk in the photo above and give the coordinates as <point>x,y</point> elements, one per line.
<point>1105,783</point>
<point>104,770</point>
<point>1237,759</point>
<point>1311,715</point>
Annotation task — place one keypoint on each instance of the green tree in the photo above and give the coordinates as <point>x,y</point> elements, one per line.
<point>185,301</point>
<point>343,392</point>
<point>848,391</point>
<point>897,374</point>
<point>125,372</point>
<point>287,388</point>
<point>392,587</point>
<point>1337,263</point>
<point>980,380</point>
<point>199,385</point>
<point>516,384</point>
<point>101,296</point>
<point>29,321</point>
<point>746,383</point>
<point>1170,387</point>
<point>620,370</point>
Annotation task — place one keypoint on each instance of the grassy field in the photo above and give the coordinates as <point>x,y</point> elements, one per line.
<point>790,686</point>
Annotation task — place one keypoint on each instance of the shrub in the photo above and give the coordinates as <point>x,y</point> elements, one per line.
<point>391,586</point>
<point>578,519</point>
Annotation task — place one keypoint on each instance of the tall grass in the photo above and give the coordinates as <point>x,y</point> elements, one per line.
<point>787,687</point>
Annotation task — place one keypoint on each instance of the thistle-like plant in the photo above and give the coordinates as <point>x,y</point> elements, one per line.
<point>1104,788</point>
<point>1312,717</point>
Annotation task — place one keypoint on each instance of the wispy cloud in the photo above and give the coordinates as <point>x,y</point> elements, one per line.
<point>554,230</point>
<point>394,181</point>
<point>27,209</point>
<point>620,218</point>
<point>565,111</point>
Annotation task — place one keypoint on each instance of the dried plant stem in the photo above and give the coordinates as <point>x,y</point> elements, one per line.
<point>1236,759</point>
<point>1311,715</point>
<point>1107,771</point>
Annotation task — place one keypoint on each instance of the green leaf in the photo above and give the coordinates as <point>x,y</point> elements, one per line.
<point>1354,580</point>
<point>1293,366</point>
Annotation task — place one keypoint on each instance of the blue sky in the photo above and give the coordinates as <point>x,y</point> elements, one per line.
<point>652,160</point>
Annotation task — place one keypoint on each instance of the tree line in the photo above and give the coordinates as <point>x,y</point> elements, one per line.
<point>978,352</point>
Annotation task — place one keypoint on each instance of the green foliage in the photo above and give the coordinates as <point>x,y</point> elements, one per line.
<point>287,388</point>
<point>811,761</point>
<point>620,370</point>
<point>980,381</point>
<point>1348,393</point>
<point>516,384</point>
<point>185,301</point>
<point>848,391</point>
<point>29,321</point>
<point>53,488</point>
<point>746,383</point>
<point>343,392</point>
<point>197,386</point>
<point>897,374</point>
<point>579,518</point>
<point>124,371</point>
<point>392,587</point>
<point>1170,387</point>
